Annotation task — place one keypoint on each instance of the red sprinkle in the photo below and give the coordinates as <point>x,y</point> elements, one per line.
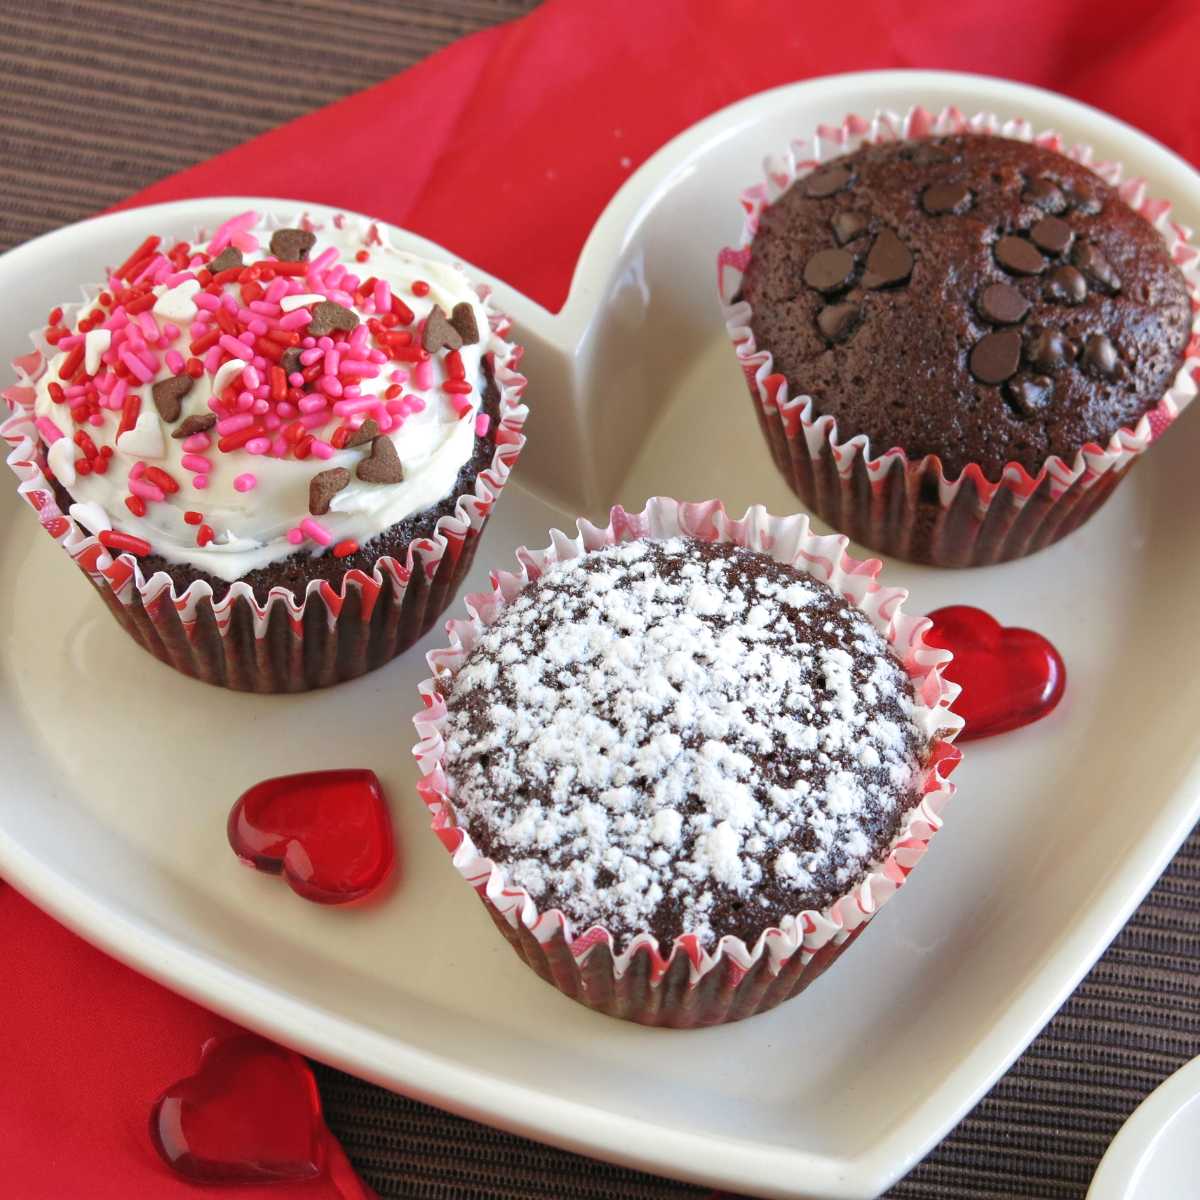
<point>393,392</point>
<point>285,337</point>
<point>340,436</point>
<point>82,466</point>
<point>349,546</point>
<point>135,504</point>
<point>207,342</point>
<point>141,304</point>
<point>105,299</point>
<point>420,288</point>
<point>100,465</point>
<point>129,412</point>
<point>192,517</point>
<point>143,252</point>
<point>268,349</point>
<point>457,387</point>
<point>194,367</point>
<point>204,535</point>
<point>289,268</point>
<point>124,542</point>
<point>56,393</point>
<point>71,363</point>
<point>278,383</point>
<point>159,477</point>
<point>361,256</point>
<point>55,335</point>
<point>235,441</point>
<point>304,446</point>
<point>85,443</point>
<point>454,365</point>
<point>56,315</point>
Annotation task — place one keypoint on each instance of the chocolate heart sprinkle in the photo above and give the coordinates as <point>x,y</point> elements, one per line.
<point>996,356</point>
<point>382,465</point>
<point>292,245</point>
<point>328,316</point>
<point>439,332</point>
<point>368,431</point>
<point>229,258</point>
<point>196,423</point>
<point>890,261</point>
<point>169,393</point>
<point>829,270</point>
<point>323,487</point>
<point>289,360</point>
<point>1019,256</point>
<point>462,317</point>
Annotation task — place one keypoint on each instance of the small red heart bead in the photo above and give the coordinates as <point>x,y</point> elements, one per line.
<point>327,832</point>
<point>250,1114</point>
<point>1009,676</point>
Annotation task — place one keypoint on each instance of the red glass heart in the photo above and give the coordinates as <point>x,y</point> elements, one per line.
<point>327,832</point>
<point>250,1114</point>
<point>1009,676</point>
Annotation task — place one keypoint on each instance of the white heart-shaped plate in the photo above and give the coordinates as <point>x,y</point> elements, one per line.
<point>119,772</point>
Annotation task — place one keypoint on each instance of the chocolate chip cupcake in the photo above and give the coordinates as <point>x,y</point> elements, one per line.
<point>686,758</point>
<point>292,429</point>
<point>959,341</point>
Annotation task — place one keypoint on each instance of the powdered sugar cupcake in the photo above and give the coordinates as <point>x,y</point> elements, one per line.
<point>271,451</point>
<point>685,758</point>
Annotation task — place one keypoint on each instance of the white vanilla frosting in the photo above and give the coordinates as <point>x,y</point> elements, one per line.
<point>434,434</point>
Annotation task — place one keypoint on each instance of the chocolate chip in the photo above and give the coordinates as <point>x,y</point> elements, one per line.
<point>1065,285</point>
<point>368,431</point>
<point>1052,234</point>
<point>849,225</point>
<point>890,261</point>
<point>1019,256</point>
<point>382,465</point>
<point>996,356</point>
<point>1099,356</point>
<point>1096,267</point>
<point>829,270</point>
<point>1050,350</point>
<point>826,182</point>
<point>322,488</point>
<point>439,332</point>
<point>837,321</point>
<point>1045,195</point>
<point>1002,304</point>
<point>1028,394</point>
<point>289,360</point>
<point>169,393</point>
<point>229,258</point>
<point>946,198</point>
<point>328,316</point>
<point>292,245</point>
<point>462,317</point>
<point>196,423</point>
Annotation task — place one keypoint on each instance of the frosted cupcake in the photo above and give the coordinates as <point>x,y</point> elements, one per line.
<point>681,765</point>
<point>276,448</point>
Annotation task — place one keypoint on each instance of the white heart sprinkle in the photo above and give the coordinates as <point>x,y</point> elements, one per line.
<point>91,516</point>
<point>145,439</point>
<point>290,303</point>
<point>175,304</point>
<point>61,457</point>
<point>95,343</point>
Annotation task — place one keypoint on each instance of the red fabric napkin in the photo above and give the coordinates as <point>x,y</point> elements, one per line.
<point>505,148</point>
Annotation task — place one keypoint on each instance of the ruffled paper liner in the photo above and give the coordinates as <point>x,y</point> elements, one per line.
<point>691,985</point>
<point>908,507</point>
<point>333,633</point>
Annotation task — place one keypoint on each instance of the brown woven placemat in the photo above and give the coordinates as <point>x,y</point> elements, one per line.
<point>98,100</point>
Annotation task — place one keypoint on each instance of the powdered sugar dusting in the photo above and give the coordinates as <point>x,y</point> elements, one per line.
<point>681,737</point>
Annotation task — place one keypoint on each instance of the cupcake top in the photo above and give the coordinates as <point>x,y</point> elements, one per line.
<point>975,297</point>
<point>681,737</point>
<point>274,391</point>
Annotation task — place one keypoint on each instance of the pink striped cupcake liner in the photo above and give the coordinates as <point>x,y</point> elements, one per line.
<point>908,507</point>
<point>283,644</point>
<point>689,984</point>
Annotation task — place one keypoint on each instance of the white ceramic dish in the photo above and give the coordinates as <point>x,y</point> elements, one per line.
<point>119,773</point>
<point>1156,1154</point>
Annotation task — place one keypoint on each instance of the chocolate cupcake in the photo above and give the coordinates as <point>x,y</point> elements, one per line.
<point>682,766</point>
<point>295,431</point>
<point>959,342</point>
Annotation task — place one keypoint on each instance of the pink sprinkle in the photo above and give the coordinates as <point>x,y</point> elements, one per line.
<point>197,442</point>
<point>323,261</point>
<point>329,385</point>
<point>170,330</point>
<point>207,301</point>
<point>49,430</point>
<point>137,470</point>
<point>246,242</point>
<point>277,290</point>
<point>175,363</point>
<point>399,376</point>
<point>258,328</point>
<point>193,462</point>
<point>147,491</point>
<point>423,375</point>
<point>360,370</point>
<point>482,424</point>
<point>212,359</point>
<point>415,404</point>
<point>261,406</point>
<point>264,307</point>
<point>296,379</point>
<point>316,530</point>
<point>295,536</point>
<point>245,483</point>
<point>308,357</point>
<point>312,404</point>
<point>322,449</point>
<point>136,366</point>
<point>244,402</point>
<point>225,232</point>
<point>332,361</point>
<point>383,296</point>
<point>286,409</point>
<point>279,447</point>
<point>231,345</point>
<point>344,408</point>
<point>377,356</point>
<point>232,424</point>
<point>397,407</point>
<point>337,277</point>
<point>251,378</point>
<point>200,482</point>
<point>314,420</point>
<point>461,404</point>
<point>340,297</point>
<point>74,391</point>
<point>118,320</point>
<point>96,419</point>
<point>258,445</point>
<point>296,319</point>
<point>177,277</point>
